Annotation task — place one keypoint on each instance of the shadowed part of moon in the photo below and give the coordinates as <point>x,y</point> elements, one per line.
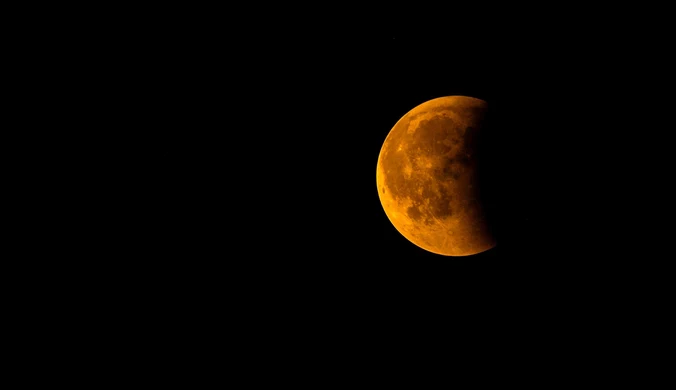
<point>426,177</point>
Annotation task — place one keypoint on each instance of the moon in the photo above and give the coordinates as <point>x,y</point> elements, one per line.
<point>427,177</point>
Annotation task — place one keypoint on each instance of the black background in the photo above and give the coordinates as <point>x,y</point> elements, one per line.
<point>251,165</point>
<point>260,163</point>
<point>240,190</point>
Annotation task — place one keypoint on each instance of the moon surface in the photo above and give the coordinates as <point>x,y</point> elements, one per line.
<point>427,177</point>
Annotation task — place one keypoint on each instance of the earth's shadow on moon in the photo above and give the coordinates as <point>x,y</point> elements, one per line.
<point>498,178</point>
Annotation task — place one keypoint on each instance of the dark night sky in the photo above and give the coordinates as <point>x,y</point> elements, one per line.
<point>268,152</point>
<point>259,162</point>
<point>243,192</point>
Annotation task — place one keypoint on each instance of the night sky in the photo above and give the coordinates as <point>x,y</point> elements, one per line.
<point>268,152</point>
<point>244,191</point>
<point>260,159</point>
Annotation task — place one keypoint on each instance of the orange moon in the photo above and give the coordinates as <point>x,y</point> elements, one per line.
<point>427,177</point>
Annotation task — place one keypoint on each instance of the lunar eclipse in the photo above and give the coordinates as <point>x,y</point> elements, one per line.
<point>427,177</point>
